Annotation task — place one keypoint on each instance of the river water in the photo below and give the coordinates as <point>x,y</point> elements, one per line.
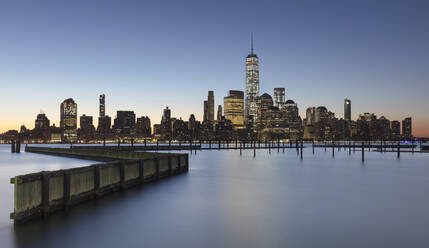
<point>228,200</point>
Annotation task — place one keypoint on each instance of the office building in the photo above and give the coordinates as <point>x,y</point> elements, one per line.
<point>252,85</point>
<point>143,127</point>
<point>347,110</point>
<point>68,120</point>
<point>42,122</point>
<point>234,108</point>
<point>219,113</point>
<point>102,105</point>
<point>407,128</point>
<point>209,107</point>
<point>279,97</point>
<point>86,130</point>
<point>124,122</point>
<point>395,126</point>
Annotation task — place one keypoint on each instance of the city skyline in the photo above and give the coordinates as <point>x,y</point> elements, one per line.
<point>389,82</point>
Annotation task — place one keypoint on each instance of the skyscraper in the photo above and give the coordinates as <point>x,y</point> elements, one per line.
<point>219,113</point>
<point>104,121</point>
<point>87,130</point>
<point>347,110</point>
<point>234,108</point>
<point>125,122</point>
<point>68,120</point>
<point>279,97</point>
<point>42,122</point>
<point>395,126</point>
<point>102,105</point>
<point>310,115</point>
<point>407,128</point>
<point>210,106</point>
<point>143,127</point>
<point>166,123</point>
<point>252,84</point>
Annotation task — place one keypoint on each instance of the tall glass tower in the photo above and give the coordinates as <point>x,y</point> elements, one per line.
<point>347,110</point>
<point>252,84</point>
<point>102,105</point>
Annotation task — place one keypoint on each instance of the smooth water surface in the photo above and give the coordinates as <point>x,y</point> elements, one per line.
<point>228,200</point>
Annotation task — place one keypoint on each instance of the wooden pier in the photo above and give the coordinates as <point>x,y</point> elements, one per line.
<point>39,194</point>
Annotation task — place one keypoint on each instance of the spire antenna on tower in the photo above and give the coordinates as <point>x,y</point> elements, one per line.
<point>251,43</point>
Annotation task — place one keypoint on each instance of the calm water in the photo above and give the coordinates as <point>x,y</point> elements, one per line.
<point>226,200</point>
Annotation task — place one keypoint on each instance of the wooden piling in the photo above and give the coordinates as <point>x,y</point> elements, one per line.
<point>363,151</point>
<point>18,146</point>
<point>302,146</point>
<point>333,149</point>
<point>399,149</point>
<point>312,142</point>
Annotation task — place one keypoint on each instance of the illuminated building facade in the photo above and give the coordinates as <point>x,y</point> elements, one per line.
<point>86,130</point>
<point>104,124</point>
<point>143,127</point>
<point>279,97</point>
<point>42,122</point>
<point>165,130</point>
<point>68,120</point>
<point>383,129</point>
<point>407,128</point>
<point>234,108</point>
<point>124,122</point>
<point>310,116</point>
<point>395,126</point>
<point>252,85</point>
<point>102,105</point>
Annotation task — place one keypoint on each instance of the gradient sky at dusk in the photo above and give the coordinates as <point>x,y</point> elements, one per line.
<point>145,55</point>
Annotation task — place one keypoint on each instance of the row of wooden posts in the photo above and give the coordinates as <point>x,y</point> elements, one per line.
<point>299,145</point>
<point>15,146</point>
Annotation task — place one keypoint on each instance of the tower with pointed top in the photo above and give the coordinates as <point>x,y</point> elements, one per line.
<point>252,85</point>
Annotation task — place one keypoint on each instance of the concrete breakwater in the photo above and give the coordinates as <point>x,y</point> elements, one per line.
<point>92,153</point>
<point>39,194</point>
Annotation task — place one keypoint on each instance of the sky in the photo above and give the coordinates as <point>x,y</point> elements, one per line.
<point>146,55</point>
